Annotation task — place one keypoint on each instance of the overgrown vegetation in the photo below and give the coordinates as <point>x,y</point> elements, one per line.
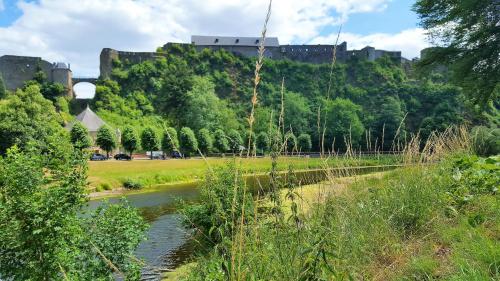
<point>424,222</point>
<point>42,198</point>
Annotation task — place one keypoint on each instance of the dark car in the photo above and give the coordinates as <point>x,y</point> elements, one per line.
<point>122,156</point>
<point>98,157</point>
<point>176,155</point>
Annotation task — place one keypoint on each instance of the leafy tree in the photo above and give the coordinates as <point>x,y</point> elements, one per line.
<point>106,139</point>
<point>297,112</point>
<point>43,235</point>
<point>27,118</point>
<point>388,120</point>
<point>149,140</point>
<point>177,81</point>
<point>52,90</point>
<point>3,91</point>
<point>466,32</point>
<point>130,141</point>
<point>203,108</point>
<point>188,141</point>
<point>343,124</point>
<point>304,142</point>
<point>220,141</point>
<point>170,141</point>
<point>291,142</point>
<point>205,141</point>
<point>235,140</point>
<point>262,142</point>
<point>80,136</point>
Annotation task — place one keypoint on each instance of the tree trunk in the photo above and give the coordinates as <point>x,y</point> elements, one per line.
<point>151,156</point>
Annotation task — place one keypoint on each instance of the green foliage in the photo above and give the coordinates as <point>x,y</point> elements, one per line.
<point>262,142</point>
<point>344,125</point>
<point>297,115</point>
<point>149,140</point>
<point>106,139</point>
<point>79,136</point>
<point>466,33</point>
<point>205,141</point>
<point>30,120</point>
<point>235,140</point>
<point>188,141</point>
<point>304,143</point>
<point>211,89</point>
<point>473,176</point>
<point>223,204</point>
<point>132,184</point>
<point>221,142</point>
<point>375,220</point>
<point>486,140</point>
<point>52,91</point>
<point>43,235</point>
<point>291,142</point>
<point>170,141</point>
<point>3,90</point>
<point>130,141</point>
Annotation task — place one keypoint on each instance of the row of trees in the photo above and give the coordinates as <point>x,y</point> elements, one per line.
<point>186,141</point>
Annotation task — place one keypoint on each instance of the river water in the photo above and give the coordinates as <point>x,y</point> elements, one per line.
<point>168,243</point>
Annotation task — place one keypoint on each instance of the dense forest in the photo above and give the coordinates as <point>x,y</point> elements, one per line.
<point>373,103</point>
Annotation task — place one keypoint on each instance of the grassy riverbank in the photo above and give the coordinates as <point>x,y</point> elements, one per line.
<point>427,222</point>
<point>113,174</point>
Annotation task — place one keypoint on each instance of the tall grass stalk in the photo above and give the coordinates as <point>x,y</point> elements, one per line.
<point>258,66</point>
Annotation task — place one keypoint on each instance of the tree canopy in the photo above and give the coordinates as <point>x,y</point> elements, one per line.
<point>466,35</point>
<point>106,139</point>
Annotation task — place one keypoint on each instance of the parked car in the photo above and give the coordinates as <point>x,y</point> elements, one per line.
<point>176,155</point>
<point>98,157</point>
<point>122,156</point>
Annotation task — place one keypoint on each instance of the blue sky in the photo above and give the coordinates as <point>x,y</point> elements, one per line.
<point>75,31</point>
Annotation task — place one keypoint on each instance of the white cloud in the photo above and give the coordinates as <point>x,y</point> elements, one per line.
<point>409,41</point>
<point>76,31</point>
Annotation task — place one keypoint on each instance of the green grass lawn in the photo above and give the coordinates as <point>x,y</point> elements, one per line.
<point>152,172</point>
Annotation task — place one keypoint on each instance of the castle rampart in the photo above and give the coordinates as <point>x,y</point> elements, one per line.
<point>16,70</point>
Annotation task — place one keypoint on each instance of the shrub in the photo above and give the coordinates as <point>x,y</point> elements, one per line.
<point>486,141</point>
<point>131,184</point>
<point>105,186</point>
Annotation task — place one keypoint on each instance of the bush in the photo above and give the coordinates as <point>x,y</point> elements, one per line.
<point>131,184</point>
<point>486,141</point>
<point>235,140</point>
<point>220,141</point>
<point>105,186</point>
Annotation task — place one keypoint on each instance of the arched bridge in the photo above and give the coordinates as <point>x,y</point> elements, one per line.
<point>77,80</point>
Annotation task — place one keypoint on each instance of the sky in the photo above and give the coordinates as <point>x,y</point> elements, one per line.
<point>75,31</point>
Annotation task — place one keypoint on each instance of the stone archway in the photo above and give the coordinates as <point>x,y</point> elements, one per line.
<point>83,89</point>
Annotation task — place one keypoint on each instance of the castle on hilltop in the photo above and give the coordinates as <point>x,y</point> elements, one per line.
<point>319,53</point>
<point>16,70</point>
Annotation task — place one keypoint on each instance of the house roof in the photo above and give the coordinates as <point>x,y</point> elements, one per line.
<point>90,120</point>
<point>200,40</point>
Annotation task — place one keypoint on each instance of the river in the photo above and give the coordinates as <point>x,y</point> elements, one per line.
<point>168,243</point>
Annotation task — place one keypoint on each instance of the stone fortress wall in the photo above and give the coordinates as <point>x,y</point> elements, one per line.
<point>16,70</point>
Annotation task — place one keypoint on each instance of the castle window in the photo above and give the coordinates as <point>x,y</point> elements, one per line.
<point>216,40</point>
<point>237,41</point>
